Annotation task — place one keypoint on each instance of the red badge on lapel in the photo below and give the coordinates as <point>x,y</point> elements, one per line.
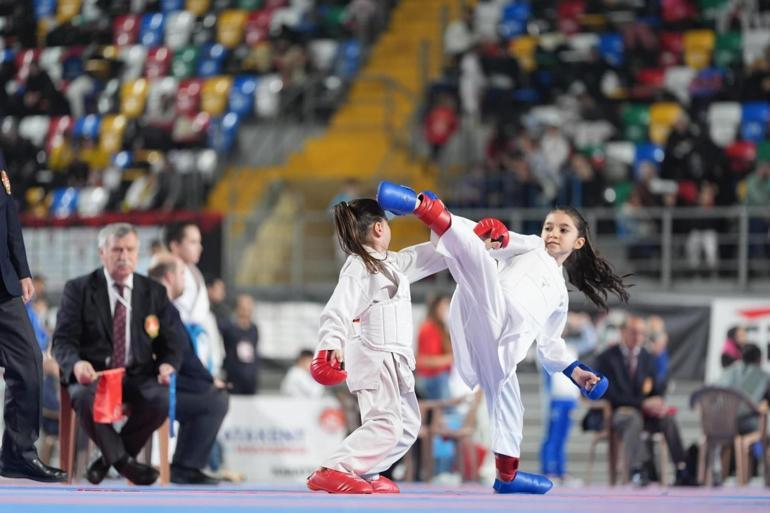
<point>151,326</point>
<point>6,181</point>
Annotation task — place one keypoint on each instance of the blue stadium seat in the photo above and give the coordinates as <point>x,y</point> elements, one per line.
<point>223,132</point>
<point>348,59</point>
<point>123,159</point>
<point>64,202</point>
<point>242,95</point>
<point>212,57</point>
<point>648,152</point>
<point>151,29</point>
<point>612,49</point>
<point>754,118</point>
<point>87,127</point>
<point>45,9</point>
<point>513,20</point>
<point>171,5</point>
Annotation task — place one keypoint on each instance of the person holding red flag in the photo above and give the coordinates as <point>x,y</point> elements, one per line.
<point>367,323</point>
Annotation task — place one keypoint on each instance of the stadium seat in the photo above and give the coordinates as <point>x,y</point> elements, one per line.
<point>698,47</point>
<point>741,156</point>
<point>651,77</point>
<point>215,92</point>
<point>523,50</point>
<point>230,28</point>
<point>677,81</point>
<point>191,129</point>
<point>178,29</point>
<point>710,10</point>
<point>66,10</point>
<point>126,30</point>
<point>321,53</point>
<point>636,120</point>
<point>754,119</point>
<point>257,27</point>
<point>50,61</point>
<point>59,153</point>
<point>647,152</point>
<point>206,163</point>
<point>584,42</point>
<point>188,96</point>
<point>23,60</point>
<point>35,129</point>
<point>72,64</point>
<point>754,44</point>
<point>169,6</point>
<point>45,9</point>
<point>184,62</point>
<point>133,97</point>
<point>268,96</point>
<point>160,89</point>
<point>158,62</point>
<point>568,14</point>
<point>92,201</point>
<point>671,48</point>
<point>677,11</point>
<point>249,5</point>
<point>724,118</point>
<point>87,127</point>
<point>152,29</point>
<point>663,115</point>
<point>242,96</point>
<point>708,82</point>
<point>111,134</point>
<point>133,58</point>
<point>223,133</point>
<point>211,59</point>
<point>348,59</point>
<point>58,128</point>
<point>109,98</point>
<point>198,7</point>
<point>64,202</point>
<point>513,20</point>
<point>621,151</point>
<point>612,49</point>
<point>728,49</point>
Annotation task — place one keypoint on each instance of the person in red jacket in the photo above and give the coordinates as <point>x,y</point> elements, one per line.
<point>440,124</point>
<point>434,351</point>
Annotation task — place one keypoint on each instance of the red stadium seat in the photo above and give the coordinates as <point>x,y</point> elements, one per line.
<point>258,27</point>
<point>188,96</point>
<point>158,62</point>
<point>126,30</point>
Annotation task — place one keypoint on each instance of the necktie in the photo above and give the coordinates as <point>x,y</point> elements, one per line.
<point>632,365</point>
<point>119,331</point>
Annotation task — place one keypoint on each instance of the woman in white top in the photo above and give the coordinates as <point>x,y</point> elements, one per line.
<point>369,320</point>
<point>511,292</point>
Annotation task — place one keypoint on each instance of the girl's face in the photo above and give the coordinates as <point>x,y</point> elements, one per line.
<point>561,235</point>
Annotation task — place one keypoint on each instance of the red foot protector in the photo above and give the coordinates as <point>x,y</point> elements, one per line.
<point>384,485</point>
<point>334,481</point>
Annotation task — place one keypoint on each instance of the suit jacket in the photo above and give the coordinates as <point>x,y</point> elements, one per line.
<point>623,390</point>
<point>13,256</point>
<point>84,327</point>
<point>192,376</point>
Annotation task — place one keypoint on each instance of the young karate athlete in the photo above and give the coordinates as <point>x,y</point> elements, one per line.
<point>372,294</point>
<point>511,292</point>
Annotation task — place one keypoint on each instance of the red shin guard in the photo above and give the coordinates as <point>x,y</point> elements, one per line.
<point>507,466</point>
<point>433,213</point>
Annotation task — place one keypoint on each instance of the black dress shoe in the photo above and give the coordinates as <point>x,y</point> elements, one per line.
<point>31,468</point>
<point>97,471</point>
<point>184,475</point>
<point>137,473</point>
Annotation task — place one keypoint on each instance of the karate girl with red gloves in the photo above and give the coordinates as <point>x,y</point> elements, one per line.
<point>510,292</point>
<point>367,323</point>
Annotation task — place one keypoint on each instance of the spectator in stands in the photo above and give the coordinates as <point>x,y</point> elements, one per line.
<point>40,96</point>
<point>364,18</point>
<point>183,239</point>
<point>201,399</point>
<point>657,345</point>
<point>732,350</point>
<point>702,239</point>
<point>298,382</point>
<point>217,291</point>
<point>440,124</point>
<point>434,351</point>
<point>472,83</point>
<point>758,195</point>
<point>637,400</point>
<point>748,377</point>
<point>459,36</point>
<point>241,337</point>
<point>680,151</point>
<point>582,183</point>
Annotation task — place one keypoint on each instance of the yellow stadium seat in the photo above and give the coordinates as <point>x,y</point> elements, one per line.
<point>133,96</point>
<point>663,115</point>
<point>230,27</point>
<point>523,50</point>
<point>214,95</point>
<point>111,133</point>
<point>198,7</point>
<point>66,10</point>
<point>698,48</point>
<point>60,154</point>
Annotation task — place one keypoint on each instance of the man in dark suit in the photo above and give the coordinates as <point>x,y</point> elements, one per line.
<point>201,399</point>
<point>114,318</point>
<point>637,399</point>
<point>19,352</point>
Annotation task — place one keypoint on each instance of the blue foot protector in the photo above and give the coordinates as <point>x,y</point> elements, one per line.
<point>598,390</point>
<point>524,482</point>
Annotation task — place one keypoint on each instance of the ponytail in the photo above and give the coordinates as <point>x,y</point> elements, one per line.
<point>590,273</point>
<point>352,221</point>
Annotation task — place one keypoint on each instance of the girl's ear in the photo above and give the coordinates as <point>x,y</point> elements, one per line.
<point>579,243</point>
<point>377,228</point>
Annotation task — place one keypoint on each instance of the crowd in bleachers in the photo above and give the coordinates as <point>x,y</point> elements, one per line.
<point>621,103</point>
<point>133,105</point>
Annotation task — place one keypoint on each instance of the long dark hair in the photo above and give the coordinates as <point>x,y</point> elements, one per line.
<point>433,304</point>
<point>352,221</point>
<point>589,272</point>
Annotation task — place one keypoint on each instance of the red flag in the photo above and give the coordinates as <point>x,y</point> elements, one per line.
<point>108,401</point>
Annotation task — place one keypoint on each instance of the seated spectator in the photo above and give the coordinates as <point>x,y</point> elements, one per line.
<point>657,345</point>
<point>298,382</point>
<point>748,377</point>
<point>440,124</point>
<point>637,401</point>
<point>434,351</point>
<point>241,336</point>
<point>732,349</point>
<point>201,399</point>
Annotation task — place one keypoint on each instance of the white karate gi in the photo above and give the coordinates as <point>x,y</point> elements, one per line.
<point>378,354</point>
<point>505,299</point>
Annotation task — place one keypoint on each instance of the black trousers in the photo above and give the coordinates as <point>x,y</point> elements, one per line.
<point>200,416</point>
<point>147,402</point>
<point>23,362</point>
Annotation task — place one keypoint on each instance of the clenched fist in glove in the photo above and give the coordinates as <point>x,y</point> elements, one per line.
<point>327,368</point>
<point>491,228</point>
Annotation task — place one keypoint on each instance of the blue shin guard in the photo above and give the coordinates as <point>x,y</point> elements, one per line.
<point>598,390</point>
<point>524,482</point>
<point>395,198</point>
